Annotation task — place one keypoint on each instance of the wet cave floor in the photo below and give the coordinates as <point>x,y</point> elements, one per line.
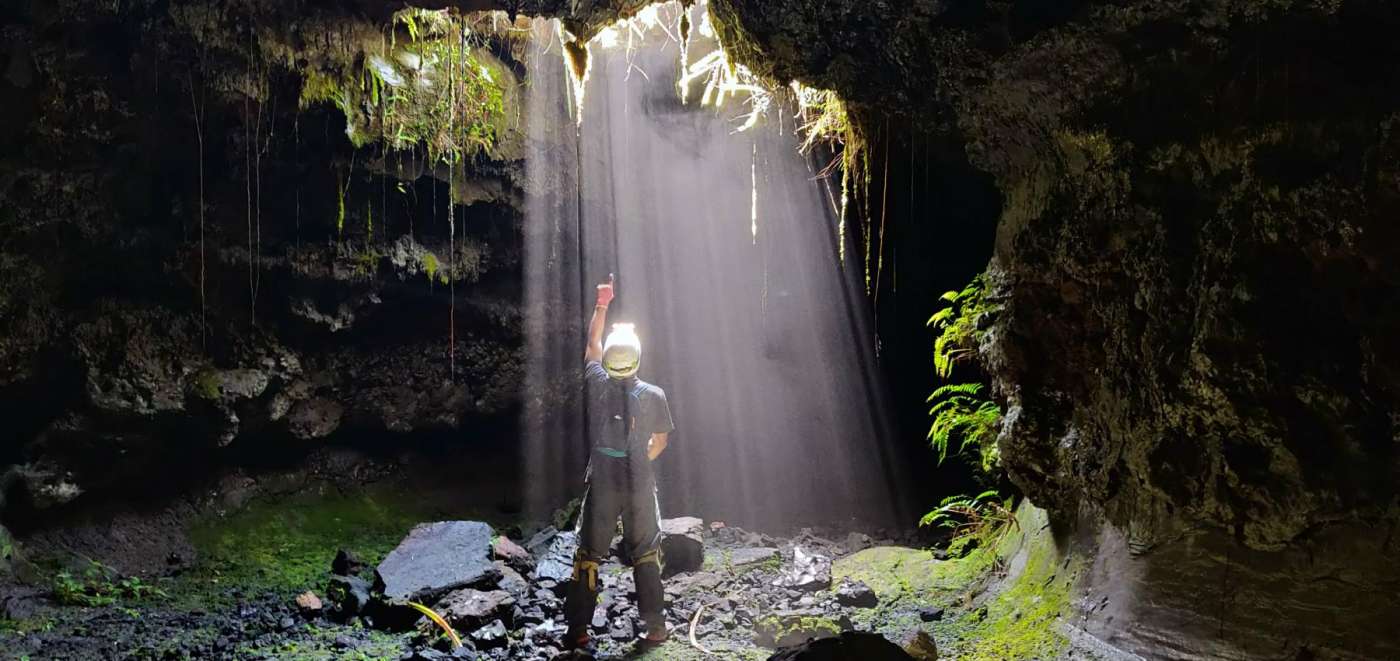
<point>997,594</point>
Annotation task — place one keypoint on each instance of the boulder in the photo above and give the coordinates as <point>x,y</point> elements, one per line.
<point>511,581</point>
<point>347,563</point>
<point>920,645</point>
<point>436,558</point>
<point>472,609</point>
<point>20,602</point>
<point>808,572</point>
<point>682,544</point>
<point>349,594</point>
<point>845,647</point>
<point>555,556</point>
<point>856,594</point>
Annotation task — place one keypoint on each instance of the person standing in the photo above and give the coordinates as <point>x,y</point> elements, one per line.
<point>628,421</point>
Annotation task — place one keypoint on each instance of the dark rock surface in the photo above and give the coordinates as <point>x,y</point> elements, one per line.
<point>856,594</point>
<point>350,594</point>
<point>682,544</point>
<point>846,647</point>
<point>470,609</point>
<point>436,558</point>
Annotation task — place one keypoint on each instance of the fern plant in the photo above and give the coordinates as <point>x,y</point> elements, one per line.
<point>985,513</point>
<point>957,326</point>
<point>97,584</point>
<point>962,414</point>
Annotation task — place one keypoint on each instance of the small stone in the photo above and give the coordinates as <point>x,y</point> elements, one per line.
<point>930,614</point>
<point>344,642</point>
<point>286,623</point>
<point>512,554</point>
<point>622,631</point>
<point>308,603</point>
<point>490,636</point>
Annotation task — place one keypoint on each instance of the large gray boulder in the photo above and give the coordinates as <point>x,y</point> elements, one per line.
<point>436,558</point>
<point>682,544</point>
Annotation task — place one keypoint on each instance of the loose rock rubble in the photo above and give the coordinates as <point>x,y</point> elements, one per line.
<point>731,589</point>
<point>737,593</point>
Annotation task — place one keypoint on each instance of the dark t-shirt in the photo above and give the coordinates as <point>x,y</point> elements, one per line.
<point>640,405</point>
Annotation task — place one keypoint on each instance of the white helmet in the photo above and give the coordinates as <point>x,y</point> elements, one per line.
<point>622,352</point>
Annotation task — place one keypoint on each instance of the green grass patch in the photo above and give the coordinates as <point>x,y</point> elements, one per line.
<point>286,545</point>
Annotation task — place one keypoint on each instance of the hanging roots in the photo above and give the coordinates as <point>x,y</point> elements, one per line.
<point>580,61</point>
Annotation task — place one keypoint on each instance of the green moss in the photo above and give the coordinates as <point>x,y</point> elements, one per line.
<point>898,573</point>
<point>1022,619</point>
<point>287,545</point>
<point>432,268</point>
<point>431,89</point>
<point>784,630</point>
<point>206,384</point>
<point>320,646</point>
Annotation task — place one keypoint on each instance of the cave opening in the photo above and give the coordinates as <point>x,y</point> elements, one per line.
<point>980,330</point>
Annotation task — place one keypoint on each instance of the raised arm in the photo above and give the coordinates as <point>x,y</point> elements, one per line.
<point>594,351</point>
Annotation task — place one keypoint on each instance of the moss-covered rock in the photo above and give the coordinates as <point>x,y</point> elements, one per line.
<point>793,628</point>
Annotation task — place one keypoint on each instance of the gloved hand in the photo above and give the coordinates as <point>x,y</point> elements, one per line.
<point>605,292</point>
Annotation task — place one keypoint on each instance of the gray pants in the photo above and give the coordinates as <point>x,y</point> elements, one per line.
<point>617,488</point>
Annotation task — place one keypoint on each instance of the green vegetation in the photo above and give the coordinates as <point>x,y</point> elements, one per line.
<point>432,90</point>
<point>206,385</point>
<point>321,647</point>
<point>957,325</point>
<point>433,269</point>
<point>961,412</point>
<point>985,512</point>
<point>784,630</point>
<point>97,584</point>
<point>287,545</point>
<point>1021,620</point>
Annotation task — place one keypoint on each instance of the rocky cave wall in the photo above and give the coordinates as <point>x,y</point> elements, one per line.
<point>1195,256</point>
<point>317,293</point>
<point>1195,267</point>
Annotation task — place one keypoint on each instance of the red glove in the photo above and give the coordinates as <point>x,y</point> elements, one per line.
<point>605,292</point>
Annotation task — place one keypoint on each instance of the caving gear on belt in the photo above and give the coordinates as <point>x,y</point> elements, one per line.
<point>622,351</point>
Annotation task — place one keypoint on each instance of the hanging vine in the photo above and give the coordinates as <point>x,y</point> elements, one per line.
<point>197,107</point>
